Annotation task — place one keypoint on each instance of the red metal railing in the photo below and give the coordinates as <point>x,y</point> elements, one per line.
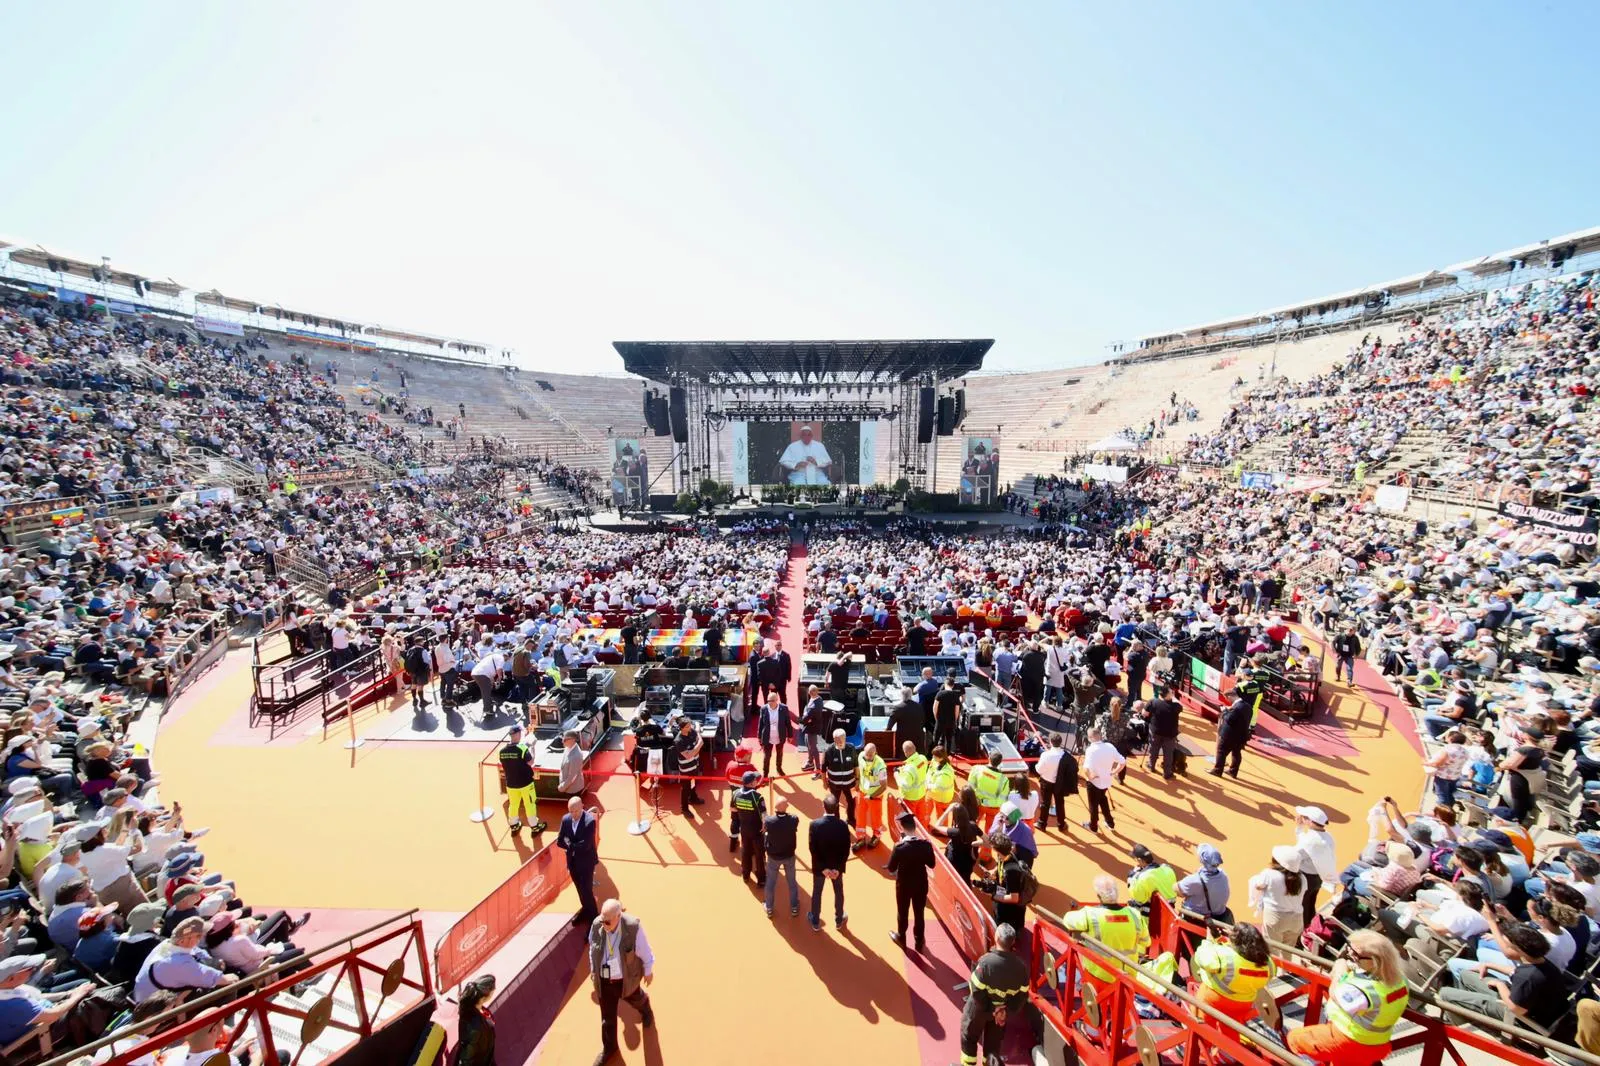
<point>398,938</point>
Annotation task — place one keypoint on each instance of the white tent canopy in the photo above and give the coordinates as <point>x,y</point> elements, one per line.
<point>1114,443</point>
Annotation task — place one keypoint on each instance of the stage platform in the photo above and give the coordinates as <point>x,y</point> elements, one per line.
<point>640,522</point>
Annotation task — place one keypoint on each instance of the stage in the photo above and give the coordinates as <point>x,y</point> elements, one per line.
<point>725,517</point>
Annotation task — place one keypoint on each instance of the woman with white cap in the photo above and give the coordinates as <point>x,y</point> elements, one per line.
<point>1276,893</point>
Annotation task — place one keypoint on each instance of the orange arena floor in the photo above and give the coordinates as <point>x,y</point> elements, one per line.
<point>298,826</point>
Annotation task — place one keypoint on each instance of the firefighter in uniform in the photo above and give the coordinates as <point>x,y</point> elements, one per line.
<point>1366,999</point>
<point>873,780</point>
<point>941,783</point>
<point>996,990</point>
<point>516,762</point>
<point>749,809</point>
<point>992,788</point>
<point>911,778</point>
<point>1228,970</point>
<point>1118,926</point>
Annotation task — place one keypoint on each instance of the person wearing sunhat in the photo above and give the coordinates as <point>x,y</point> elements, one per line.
<point>1276,893</point>
<point>1320,863</point>
<point>24,1008</point>
<point>175,964</point>
<point>144,932</point>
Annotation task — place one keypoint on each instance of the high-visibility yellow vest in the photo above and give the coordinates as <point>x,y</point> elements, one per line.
<point>1371,1024</point>
<point>941,782</point>
<point>1229,974</point>
<point>990,784</point>
<point>912,777</point>
<point>1153,881</point>
<point>873,775</point>
<point>1118,928</point>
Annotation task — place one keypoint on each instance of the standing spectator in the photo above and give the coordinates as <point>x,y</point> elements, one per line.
<point>1233,733</point>
<point>1163,715</point>
<point>1276,894</point>
<point>830,840</point>
<point>621,966</point>
<point>579,838</point>
<point>1315,843</point>
<point>774,727</point>
<point>817,721</point>
<point>1346,648</point>
<point>1058,778</point>
<point>569,781</point>
<point>417,670</point>
<point>910,862</point>
<point>1101,764</point>
<point>487,674</point>
<point>781,831</point>
<point>946,706</point>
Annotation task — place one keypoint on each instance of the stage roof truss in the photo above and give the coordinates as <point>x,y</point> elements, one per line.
<point>787,363</point>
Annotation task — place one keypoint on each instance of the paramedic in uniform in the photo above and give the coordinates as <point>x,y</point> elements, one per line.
<point>806,461</point>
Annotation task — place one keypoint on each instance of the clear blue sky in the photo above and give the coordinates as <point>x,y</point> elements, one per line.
<point>555,177</point>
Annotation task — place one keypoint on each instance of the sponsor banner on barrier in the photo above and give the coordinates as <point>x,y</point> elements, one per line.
<point>1579,527</point>
<point>484,929</point>
<point>217,325</point>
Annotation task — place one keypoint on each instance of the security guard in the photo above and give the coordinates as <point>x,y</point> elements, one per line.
<point>1118,926</point>
<point>1150,878</point>
<point>941,782</point>
<point>873,780</point>
<point>911,777</point>
<point>516,762</point>
<point>1253,689</point>
<point>997,989</point>
<point>1228,970</point>
<point>749,809</point>
<point>992,788</point>
<point>1367,998</point>
<point>840,764</point>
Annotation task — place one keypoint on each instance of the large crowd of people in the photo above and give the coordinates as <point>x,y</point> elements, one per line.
<point>1488,624</point>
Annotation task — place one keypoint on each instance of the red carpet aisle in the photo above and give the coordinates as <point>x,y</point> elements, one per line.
<point>790,622</point>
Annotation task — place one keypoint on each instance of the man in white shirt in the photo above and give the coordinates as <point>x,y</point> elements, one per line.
<point>487,673</point>
<point>1101,764</point>
<point>1316,843</point>
<point>806,461</point>
<point>1052,784</point>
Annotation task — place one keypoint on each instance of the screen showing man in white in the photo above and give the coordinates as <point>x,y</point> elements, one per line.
<point>806,461</point>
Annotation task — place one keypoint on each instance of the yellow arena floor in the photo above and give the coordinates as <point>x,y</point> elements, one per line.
<point>300,823</point>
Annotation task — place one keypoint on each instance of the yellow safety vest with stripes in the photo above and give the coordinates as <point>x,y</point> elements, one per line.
<point>1227,973</point>
<point>941,782</point>
<point>990,784</point>
<point>874,776</point>
<point>1118,928</point>
<point>912,777</point>
<point>1369,1024</point>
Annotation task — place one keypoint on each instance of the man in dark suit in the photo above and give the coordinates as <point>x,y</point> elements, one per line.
<point>774,727</point>
<point>910,862</point>
<point>785,673</point>
<point>1233,733</point>
<point>830,840</point>
<point>770,675</point>
<point>577,837</point>
<point>909,723</point>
